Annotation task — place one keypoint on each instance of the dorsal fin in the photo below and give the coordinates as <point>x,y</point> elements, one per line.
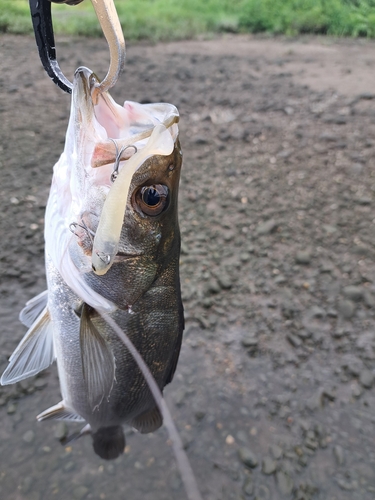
<point>34,353</point>
<point>60,412</point>
<point>33,308</point>
<point>98,361</point>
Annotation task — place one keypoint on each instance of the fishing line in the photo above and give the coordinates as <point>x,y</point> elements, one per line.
<point>187,474</point>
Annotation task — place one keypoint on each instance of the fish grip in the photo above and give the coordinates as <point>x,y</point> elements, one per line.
<point>41,15</point>
<point>43,29</point>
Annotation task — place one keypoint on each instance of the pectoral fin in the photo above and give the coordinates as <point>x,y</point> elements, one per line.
<point>98,361</point>
<point>59,412</point>
<point>33,354</point>
<point>33,308</point>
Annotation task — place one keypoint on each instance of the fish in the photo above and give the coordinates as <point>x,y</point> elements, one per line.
<point>120,165</point>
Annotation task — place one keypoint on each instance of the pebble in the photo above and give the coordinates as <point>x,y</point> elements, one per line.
<point>317,312</point>
<point>225,282</point>
<point>247,457</point>
<point>175,481</point>
<point>368,298</point>
<point>180,396</point>
<point>354,293</point>
<point>280,279</point>
<point>332,313</point>
<point>327,136</point>
<point>242,436</point>
<point>212,287</point>
<point>26,484</point>
<point>249,340</point>
<point>303,257</point>
<point>40,383</point>
<point>266,227</point>
<point>248,486</point>
<point>339,333</point>
<point>69,466</point>
<point>366,379</point>
<point>229,439</point>
<point>17,417</point>
<point>315,401</point>
<point>347,485</point>
<point>354,366</point>
<point>346,308</point>
<point>305,334</point>
<point>294,340</point>
<point>338,453</point>
<point>200,414</point>
<point>111,469</point>
<point>80,492</point>
<point>357,391</point>
<point>366,95</point>
<point>284,483</point>
<point>268,466</point>
<point>12,408</point>
<point>276,451</point>
<point>329,229</point>
<point>263,493</point>
<point>29,436</point>
<point>61,430</point>
<point>364,200</point>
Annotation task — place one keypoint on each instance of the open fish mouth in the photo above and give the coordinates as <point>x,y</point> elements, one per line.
<point>114,128</point>
<point>124,137</point>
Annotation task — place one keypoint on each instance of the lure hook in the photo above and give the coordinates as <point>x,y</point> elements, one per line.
<point>116,164</point>
<point>108,19</point>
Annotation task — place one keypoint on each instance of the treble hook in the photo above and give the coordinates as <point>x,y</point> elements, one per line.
<point>116,164</point>
<point>111,27</point>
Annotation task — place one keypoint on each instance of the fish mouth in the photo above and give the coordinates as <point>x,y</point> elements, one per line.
<point>122,256</point>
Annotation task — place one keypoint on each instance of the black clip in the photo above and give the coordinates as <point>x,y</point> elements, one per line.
<point>45,40</point>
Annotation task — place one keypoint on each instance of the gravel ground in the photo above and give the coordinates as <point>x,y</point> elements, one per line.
<point>274,393</point>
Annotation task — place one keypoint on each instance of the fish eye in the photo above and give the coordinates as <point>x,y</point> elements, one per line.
<point>152,200</point>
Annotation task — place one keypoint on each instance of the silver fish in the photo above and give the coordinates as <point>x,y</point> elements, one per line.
<point>100,382</point>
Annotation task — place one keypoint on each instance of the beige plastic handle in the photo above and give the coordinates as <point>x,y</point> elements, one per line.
<point>110,24</point>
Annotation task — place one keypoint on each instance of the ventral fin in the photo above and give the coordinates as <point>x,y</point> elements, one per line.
<point>98,361</point>
<point>34,353</point>
<point>148,421</point>
<point>76,435</point>
<point>59,412</point>
<point>33,308</point>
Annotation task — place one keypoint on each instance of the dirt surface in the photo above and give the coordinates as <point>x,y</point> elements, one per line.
<point>274,392</point>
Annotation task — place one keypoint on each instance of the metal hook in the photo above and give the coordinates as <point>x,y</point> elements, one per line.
<point>83,225</point>
<point>111,27</point>
<point>118,157</point>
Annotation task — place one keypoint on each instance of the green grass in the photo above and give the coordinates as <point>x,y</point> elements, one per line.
<point>178,19</point>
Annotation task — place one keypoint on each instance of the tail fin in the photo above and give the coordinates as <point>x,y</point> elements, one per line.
<point>109,442</point>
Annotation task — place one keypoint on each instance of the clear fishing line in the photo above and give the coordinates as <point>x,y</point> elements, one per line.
<point>186,471</point>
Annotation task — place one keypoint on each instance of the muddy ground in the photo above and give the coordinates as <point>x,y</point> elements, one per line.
<point>274,393</point>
